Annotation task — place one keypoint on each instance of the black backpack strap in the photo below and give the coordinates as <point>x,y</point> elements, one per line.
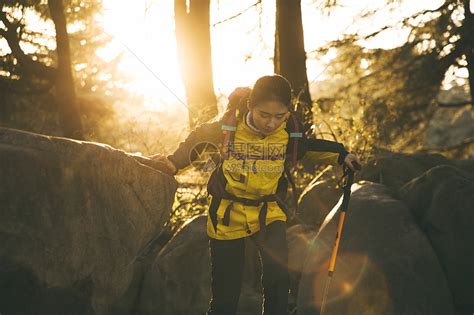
<point>226,219</point>
<point>262,217</point>
<point>216,188</point>
<point>215,202</point>
<point>295,132</point>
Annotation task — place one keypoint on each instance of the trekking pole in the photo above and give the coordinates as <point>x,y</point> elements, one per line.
<point>349,174</point>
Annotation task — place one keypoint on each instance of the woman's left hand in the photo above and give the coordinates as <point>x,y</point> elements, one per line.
<point>167,163</point>
<point>350,158</point>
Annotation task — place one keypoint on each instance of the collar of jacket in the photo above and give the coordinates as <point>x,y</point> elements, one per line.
<point>247,123</point>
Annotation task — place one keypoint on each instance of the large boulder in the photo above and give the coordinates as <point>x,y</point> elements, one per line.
<point>316,201</point>
<point>391,169</point>
<point>74,216</point>
<point>385,264</point>
<point>451,126</point>
<point>396,169</point>
<point>442,200</point>
<point>178,281</point>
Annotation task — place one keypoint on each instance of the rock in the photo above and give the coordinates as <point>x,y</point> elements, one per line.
<point>450,127</point>
<point>442,200</point>
<point>73,217</point>
<point>396,169</point>
<point>178,281</point>
<point>457,94</point>
<point>385,264</point>
<point>316,201</point>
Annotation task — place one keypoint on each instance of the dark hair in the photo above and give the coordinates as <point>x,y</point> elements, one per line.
<point>267,88</point>
<point>271,88</point>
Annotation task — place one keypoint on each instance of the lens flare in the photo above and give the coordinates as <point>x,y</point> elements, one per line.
<point>358,286</point>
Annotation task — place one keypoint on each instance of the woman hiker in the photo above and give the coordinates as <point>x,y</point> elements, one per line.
<point>258,136</point>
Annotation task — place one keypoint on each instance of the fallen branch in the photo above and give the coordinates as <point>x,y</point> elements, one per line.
<point>455,104</point>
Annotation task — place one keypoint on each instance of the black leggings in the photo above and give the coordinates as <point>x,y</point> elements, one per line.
<point>227,264</point>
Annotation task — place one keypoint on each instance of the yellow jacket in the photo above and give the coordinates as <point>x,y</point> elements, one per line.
<point>254,170</point>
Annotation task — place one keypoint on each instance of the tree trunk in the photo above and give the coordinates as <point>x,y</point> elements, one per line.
<point>193,40</point>
<point>69,117</point>
<point>290,56</point>
<point>469,31</point>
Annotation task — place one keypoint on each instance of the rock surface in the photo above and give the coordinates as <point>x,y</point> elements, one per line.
<point>451,126</point>
<point>316,201</point>
<point>385,264</point>
<point>442,200</point>
<point>73,217</point>
<point>396,169</point>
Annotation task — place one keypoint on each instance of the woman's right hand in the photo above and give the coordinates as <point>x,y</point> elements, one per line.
<point>168,164</point>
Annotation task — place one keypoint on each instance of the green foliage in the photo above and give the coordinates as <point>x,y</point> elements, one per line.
<point>386,96</point>
<point>191,200</point>
<point>29,102</point>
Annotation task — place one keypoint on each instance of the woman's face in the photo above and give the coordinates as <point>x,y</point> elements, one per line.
<point>268,116</point>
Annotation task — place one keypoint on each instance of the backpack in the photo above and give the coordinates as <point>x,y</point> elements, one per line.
<point>217,181</point>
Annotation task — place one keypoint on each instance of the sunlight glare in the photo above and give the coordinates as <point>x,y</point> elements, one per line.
<point>242,47</point>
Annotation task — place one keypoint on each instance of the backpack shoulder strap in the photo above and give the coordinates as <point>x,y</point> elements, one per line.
<point>229,122</point>
<point>228,126</point>
<point>294,128</point>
